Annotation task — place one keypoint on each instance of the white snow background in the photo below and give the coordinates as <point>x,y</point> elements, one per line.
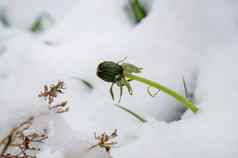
<point>194,39</point>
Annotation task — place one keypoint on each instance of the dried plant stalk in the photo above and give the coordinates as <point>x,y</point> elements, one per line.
<point>20,141</point>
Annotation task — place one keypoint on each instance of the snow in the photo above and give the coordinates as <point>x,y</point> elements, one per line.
<point>21,14</point>
<point>191,39</point>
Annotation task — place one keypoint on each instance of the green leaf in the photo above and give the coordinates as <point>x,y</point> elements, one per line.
<point>140,118</point>
<point>4,18</point>
<point>40,22</point>
<point>85,82</point>
<point>138,10</point>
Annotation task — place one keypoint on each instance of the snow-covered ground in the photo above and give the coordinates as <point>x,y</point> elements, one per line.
<point>195,40</point>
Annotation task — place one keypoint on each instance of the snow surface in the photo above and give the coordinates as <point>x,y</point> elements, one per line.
<point>191,39</point>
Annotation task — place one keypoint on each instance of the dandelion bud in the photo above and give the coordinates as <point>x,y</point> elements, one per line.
<point>110,71</point>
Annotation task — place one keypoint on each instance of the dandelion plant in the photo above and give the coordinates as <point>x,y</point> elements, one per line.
<point>121,74</point>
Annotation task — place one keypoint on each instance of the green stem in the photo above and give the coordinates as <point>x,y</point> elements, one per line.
<point>187,103</point>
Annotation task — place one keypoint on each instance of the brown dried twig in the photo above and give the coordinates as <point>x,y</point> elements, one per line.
<point>19,143</point>
<point>22,139</point>
<point>104,140</point>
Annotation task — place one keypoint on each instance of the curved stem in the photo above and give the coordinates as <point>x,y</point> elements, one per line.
<point>187,103</point>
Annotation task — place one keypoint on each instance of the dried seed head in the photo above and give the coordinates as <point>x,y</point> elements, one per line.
<point>110,71</point>
<point>105,140</point>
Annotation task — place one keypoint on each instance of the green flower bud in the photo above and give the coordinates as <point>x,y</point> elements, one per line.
<point>110,71</point>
